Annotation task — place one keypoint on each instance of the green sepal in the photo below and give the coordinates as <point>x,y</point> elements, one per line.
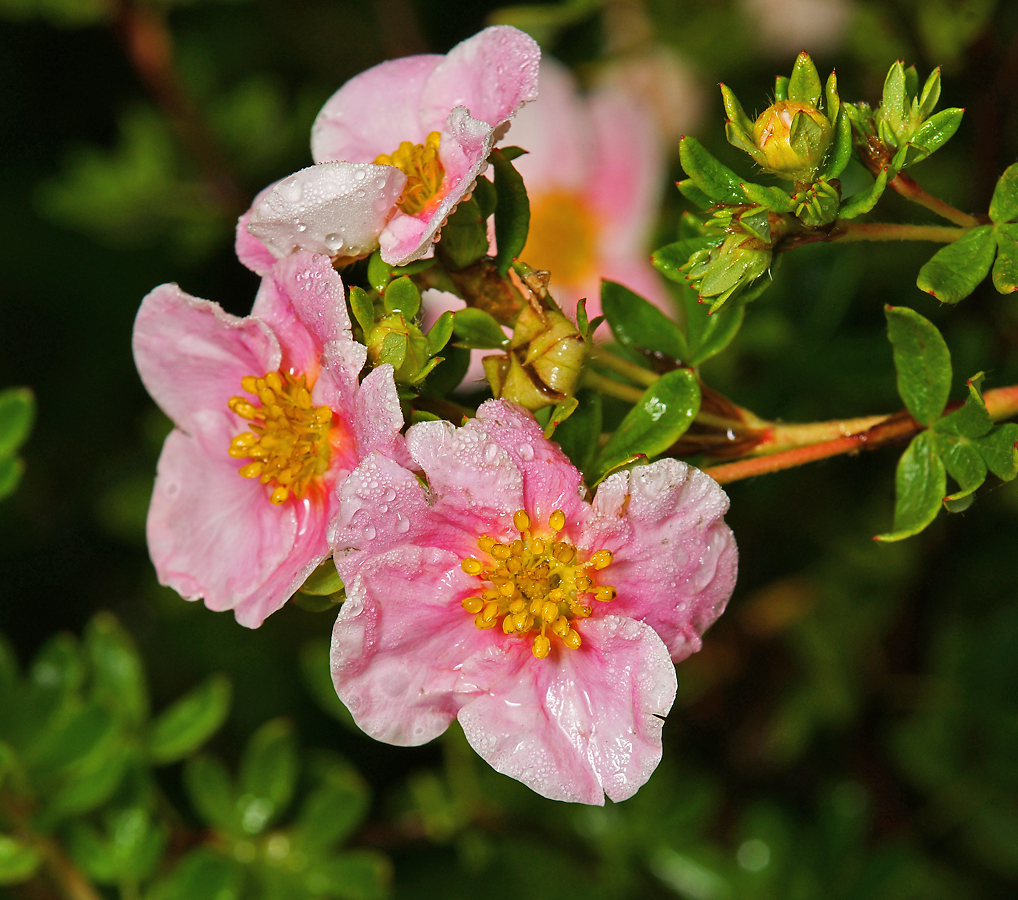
<point>514,152</point>
<point>318,603</point>
<point>780,88</point>
<point>363,309</point>
<point>930,95</point>
<point>932,135</point>
<point>582,321</point>
<point>379,271</point>
<point>638,324</point>
<point>17,412</point>
<point>770,197</point>
<point>448,374</point>
<point>757,223</point>
<point>1005,267</point>
<point>440,333</point>
<point>922,361</point>
<point>478,330</point>
<point>393,350</point>
<point>833,101</point>
<point>189,722</point>
<point>559,414</point>
<point>804,86</point>
<point>403,297</point>
<point>894,104</point>
<point>660,417</point>
<point>670,259</point>
<point>840,152</point>
<point>740,139</point>
<point>955,271</point>
<point>1003,204</point>
<point>268,775</point>
<point>733,109</point>
<point>18,860</point>
<point>693,194</point>
<point>323,581</point>
<point>464,236</point>
<point>920,486</point>
<point>861,203</point>
<point>512,211</point>
<point>715,180</point>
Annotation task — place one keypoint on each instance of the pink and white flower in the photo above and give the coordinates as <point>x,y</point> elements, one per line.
<point>269,420</point>
<point>428,121</point>
<point>497,595</point>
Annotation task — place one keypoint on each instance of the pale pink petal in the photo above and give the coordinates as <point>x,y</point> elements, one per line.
<point>192,356</point>
<point>375,111</point>
<point>377,418</point>
<point>675,559</point>
<point>579,724</point>
<point>492,74</point>
<point>399,642</point>
<point>337,209</point>
<point>250,250</point>
<point>213,534</point>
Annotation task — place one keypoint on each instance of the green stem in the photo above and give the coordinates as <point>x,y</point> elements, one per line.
<point>611,387</point>
<point>887,231</point>
<point>623,367</point>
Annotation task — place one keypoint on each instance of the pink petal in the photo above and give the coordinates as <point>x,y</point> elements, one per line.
<point>337,209</point>
<point>579,724</point>
<point>377,417</point>
<point>375,111</point>
<point>214,534</point>
<point>675,559</point>
<point>398,643</point>
<point>492,74</point>
<point>250,250</point>
<point>192,356</point>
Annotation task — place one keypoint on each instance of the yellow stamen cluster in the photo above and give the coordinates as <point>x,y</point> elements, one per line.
<point>288,441</point>
<point>537,585</point>
<point>423,170</point>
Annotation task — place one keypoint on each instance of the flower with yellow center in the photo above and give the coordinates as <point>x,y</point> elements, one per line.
<point>423,170</point>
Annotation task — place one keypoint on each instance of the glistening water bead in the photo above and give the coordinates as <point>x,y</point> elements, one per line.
<point>536,584</point>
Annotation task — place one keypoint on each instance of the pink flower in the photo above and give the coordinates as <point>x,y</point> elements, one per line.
<point>269,419</point>
<point>417,131</point>
<point>497,595</point>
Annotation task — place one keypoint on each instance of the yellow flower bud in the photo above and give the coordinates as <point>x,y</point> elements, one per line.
<point>791,140</point>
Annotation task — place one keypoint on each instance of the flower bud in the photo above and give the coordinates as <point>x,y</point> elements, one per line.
<point>791,140</point>
<point>544,361</point>
<point>400,343</point>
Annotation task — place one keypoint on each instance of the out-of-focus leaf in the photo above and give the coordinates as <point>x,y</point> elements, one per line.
<point>512,212</point>
<point>317,678</point>
<point>11,470</point>
<point>268,775</point>
<point>955,271</point>
<point>131,849</point>
<point>18,861</point>
<point>334,808</point>
<point>118,673</point>
<point>190,721</point>
<point>639,324</point>
<point>203,875</point>
<point>922,361</point>
<point>17,411</point>
<point>211,791</point>
<point>920,486</point>
<point>355,875</point>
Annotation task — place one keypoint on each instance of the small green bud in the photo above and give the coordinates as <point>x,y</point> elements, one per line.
<point>400,343</point>
<point>791,140</point>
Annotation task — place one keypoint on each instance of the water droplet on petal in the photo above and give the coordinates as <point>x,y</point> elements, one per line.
<point>334,242</point>
<point>369,532</point>
<point>402,524</point>
<point>526,452</point>
<point>389,495</point>
<point>302,227</point>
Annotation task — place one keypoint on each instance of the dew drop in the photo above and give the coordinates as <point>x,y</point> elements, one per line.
<point>334,242</point>
<point>389,495</point>
<point>369,532</point>
<point>301,227</point>
<point>490,453</point>
<point>526,452</point>
<point>402,524</point>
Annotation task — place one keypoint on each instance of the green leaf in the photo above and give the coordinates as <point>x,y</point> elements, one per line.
<point>971,419</point>
<point>780,88</point>
<point>963,464</point>
<point>189,722</point>
<point>334,808</point>
<point>478,330</point>
<point>17,411</point>
<point>449,373</point>
<point>840,153</point>
<point>662,415</point>
<point>922,361</point>
<point>268,774</point>
<point>512,211</point>
<point>1005,267</point>
<point>363,309</point>
<point>486,195</point>
<point>955,271</point>
<point>930,95</point>
<point>920,486</point>
<point>804,86</point>
<point>355,875</point>
<point>861,203</point>
<point>935,132</point>
<point>998,449</point>
<point>1003,204</point>
<point>393,350</point>
<point>402,296</point>
<point>708,333</point>
<point>323,581</point>
<point>578,435</point>
<point>715,180</point>
<point>464,236</point>
<point>636,323</point>
<point>379,271</point>
<point>670,259</point>
<point>211,792</point>
<point>18,861</point>
<point>118,673</point>
<point>440,333</point>
<point>693,194</point>
<point>11,470</point>
<point>204,875</point>
<point>773,198</point>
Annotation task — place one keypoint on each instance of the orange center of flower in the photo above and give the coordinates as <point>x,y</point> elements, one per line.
<point>423,170</point>
<point>563,232</point>
<point>288,442</point>
<point>537,586</point>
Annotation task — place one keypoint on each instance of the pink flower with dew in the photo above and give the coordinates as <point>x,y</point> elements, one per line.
<point>497,595</point>
<point>397,147</point>
<point>269,420</point>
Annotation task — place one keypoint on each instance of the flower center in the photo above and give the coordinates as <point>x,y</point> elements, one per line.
<point>562,235</point>
<point>288,441</point>
<point>423,170</point>
<point>537,586</point>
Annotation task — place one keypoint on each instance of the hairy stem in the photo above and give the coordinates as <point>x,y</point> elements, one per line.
<point>1001,403</point>
<point>623,367</point>
<point>611,387</point>
<point>886,231</point>
<point>910,190</point>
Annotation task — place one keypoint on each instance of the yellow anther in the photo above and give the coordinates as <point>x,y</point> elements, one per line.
<point>323,415</point>
<point>507,589</point>
<point>490,612</point>
<point>284,477</point>
<point>251,470</point>
<point>561,626</point>
<point>565,553</point>
<point>279,495</point>
<point>490,594</point>
<point>549,611</point>
<point>557,520</point>
<point>605,593</point>
<point>267,397</point>
<point>242,408</point>
<point>513,565</point>
<point>542,646</point>
<point>274,381</point>
<point>517,606</point>
<point>521,521</point>
<point>536,605</point>
<point>583,583</point>
<point>556,595</point>
<point>508,625</point>
<point>538,547</point>
<point>571,639</point>
<point>500,551</point>
<point>304,398</point>
<point>482,622</point>
<point>423,168</point>
<point>602,559</point>
<point>485,543</point>
<point>517,547</point>
<point>250,384</point>
<point>522,622</point>
<point>471,566</point>
<point>473,604</point>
